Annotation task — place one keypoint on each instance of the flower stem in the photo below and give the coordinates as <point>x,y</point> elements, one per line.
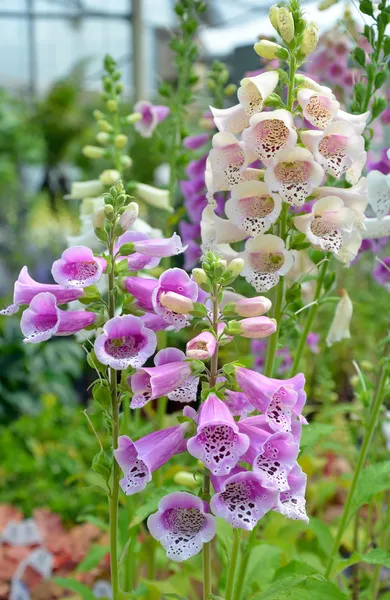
<point>244,564</point>
<point>382,544</point>
<point>309,320</point>
<point>375,410</point>
<point>233,564</point>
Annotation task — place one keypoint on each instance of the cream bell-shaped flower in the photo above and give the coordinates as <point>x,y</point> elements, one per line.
<point>233,119</point>
<point>325,225</point>
<point>358,121</point>
<point>318,108</point>
<point>266,259</point>
<point>269,132</point>
<point>350,248</point>
<point>355,197</point>
<point>252,208</point>
<point>303,81</point>
<point>293,174</point>
<point>376,228</point>
<point>379,193</point>
<point>221,230</point>
<point>339,329</point>
<point>208,236</point>
<point>253,91</point>
<point>339,149</point>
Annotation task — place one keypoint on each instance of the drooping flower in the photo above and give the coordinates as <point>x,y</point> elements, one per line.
<point>182,525</point>
<point>381,273</point>
<point>129,216</point>
<point>136,260</point>
<point>276,460</point>
<point>354,197</point>
<point>125,342</point>
<point>153,196</point>
<point>78,267</point>
<point>269,132</point>
<point>318,108</point>
<point>232,120</point>
<point>151,116</point>
<point>257,327</point>
<point>172,376</point>
<point>254,91</point>
<point>174,280</point>
<point>159,248</point>
<point>238,404</point>
<point>293,174</point>
<point>282,356</point>
<point>379,193</point>
<point>26,288</point>
<point>139,459</point>
<point>202,347</point>
<point>358,121</point>
<point>154,322</point>
<point>252,307</point>
<point>280,400</point>
<point>266,259</point>
<point>193,142</point>
<point>339,149</point>
<point>241,499</point>
<point>292,503</point>
<point>218,443</point>
<point>226,164</point>
<point>339,329</point>
<point>86,189</point>
<point>252,208</point>
<point>325,226</point>
<point>219,231</point>
<point>43,319</point>
<point>312,341</point>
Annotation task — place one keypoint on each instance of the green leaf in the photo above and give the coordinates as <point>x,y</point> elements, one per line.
<point>225,539</point>
<point>377,556</point>
<point>359,56</point>
<point>302,588</point>
<point>366,7</point>
<point>373,480</point>
<point>322,533</point>
<point>102,464</point>
<point>93,558</point>
<point>293,293</point>
<point>313,434</point>
<point>295,568</point>
<point>75,586</point>
<point>380,79</point>
<point>265,558</point>
<point>126,249</point>
<point>102,395</point>
<point>175,596</point>
<point>99,523</point>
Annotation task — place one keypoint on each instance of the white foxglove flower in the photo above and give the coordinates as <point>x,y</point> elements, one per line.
<point>376,228</point>
<point>338,149</point>
<point>379,193</point>
<point>269,132</point>
<point>252,208</point>
<point>293,174</point>
<point>358,121</point>
<point>218,230</point>
<point>86,189</point>
<point>339,329</point>
<point>302,81</point>
<point>266,259</point>
<point>317,107</point>
<point>350,248</point>
<point>153,196</point>
<point>355,197</point>
<point>253,91</point>
<point>233,119</point>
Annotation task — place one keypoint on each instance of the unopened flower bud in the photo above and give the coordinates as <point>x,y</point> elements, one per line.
<point>273,16</point>
<point>339,329</point>
<point>109,211</point>
<point>234,269</point>
<point>86,189</point>
<point>99,218</point>
<point>97,114</point>
<point>269,50</point>
<point>186,479</point>
<point>135,117</point>
<point>200,277</point>
<point>102,137</point>
<point>176,303</point>
<point>202,346</point>
<point>258,327</point>
<point>126,161</point>
<point>121,140</point>
<point>112,105</point>
<point>230,89</point>
<point>310,39</point>
<point>129,216</point>
<point>286,24</point>
<point>105,126</point>
<point>109,176</point>
<point>93,152</point>
<point>153,196</point>
<point>252,307</point>
<point>205,123</point>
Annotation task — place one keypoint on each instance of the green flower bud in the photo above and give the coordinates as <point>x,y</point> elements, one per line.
<point>109,176</point>
<point>93,152</point>
<point>273,16</point>
<point>185,478</point>
<point>121,140</point>
<point>286,24</point>
<point>112,105</point>
<point>109,211</point>
<point>201,279</point>
<point>230,89</point>
<point>97,114</point>
<point>105,125</point>
<point>126,161</point>
<point>310,39</point>
<point>99,218</point>
<point>103,138</point>
<point>269,50</point>
<point>135,117</point>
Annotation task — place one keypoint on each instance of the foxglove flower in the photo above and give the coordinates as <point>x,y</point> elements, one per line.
<point>177,303</point>
<point>172,376</point>
<point>182,525</point>
<point>218,443</point>
<point>232,120</point>
<point>139,459</point>
<point>379,193</point>
<point>253,91</point>
<point>151,116</point>
<point>354,197</point>
<point>257,327</point>
<point>136,261</point>
<point>142,289</point>
<point>241,499</point>
<point>78,267</point>
<point>279,400</point>
<point>220,231</point>
<point>202,347</point>
<point>174,280</point>
<point>305,82</point>
<point>43,319</point>
<point>193,142</point>
<point>381,273</point>
<point>312,341</point>
<point>292,503</point>
<point>153,196</point>
<point>86,189</point>
<point>159,248</point>
<point>325,225</point>
<point>276,460</point>
<point>269,132</point>
<point>266,259</point>
<point>318,108</point>
<point>238,404</point>
<point>339,149</point>
<point>154,322</point>
<point>26,288</point>
<point>339,329</point>
<point>125,342</point>
<point>252,208</point>
<point>358,121</point>
<point>252,307</point>
<point>293,174</point>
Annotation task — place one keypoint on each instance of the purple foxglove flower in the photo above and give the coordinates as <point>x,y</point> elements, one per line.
<point>259,348</point>
<point>381,273</point>
<point>193,142</point>
<point>238,404</point>
<point>252,307</point>
<point>292,503</point>
<point>139,459</point>
<point>182,525</point>
<point>136,260</point>
<point>142,289</point>
<point>172,376</point>
<point>43,319</point>
<point>242,501</point>
<point>276,460</point>
<point>160,248</point>
<point>174,280</point>
<point>154,322</point>
<point>202,346</point>
<point>129,216</point>
<point>278,399</point>
<point>195,206</point>
<point>78,267</point>
<point>312,341</point>
<point>26,288</point>
<point>125,342</point>
<point>192,187</point>
<point>189,231</point>
<point>257,428</point>
<point>196,168</point>
<point>257,327</point>
<point>152,115</point>
<point>218,442</point>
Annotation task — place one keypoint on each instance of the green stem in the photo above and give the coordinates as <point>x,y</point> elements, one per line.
<point>293,70</point>
<point>233,564</point>
<point>372,72</point>
<point>244,564</point>
<point>382,544</point>
<point>309,320</point>
<point>375,410</point>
